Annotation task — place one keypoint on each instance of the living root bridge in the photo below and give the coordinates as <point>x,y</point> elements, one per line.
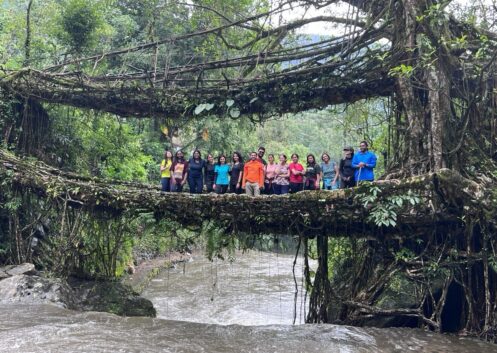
<point>334,213</point>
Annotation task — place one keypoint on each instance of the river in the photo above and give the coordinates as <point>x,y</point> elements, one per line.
<point>241,306</point>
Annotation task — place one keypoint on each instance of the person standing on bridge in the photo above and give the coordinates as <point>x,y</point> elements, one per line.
<point>209,174</point>
<point>312,173</point>
<point>179,170</point>
<point>165,171</point>
<point>347,178</point>
<point>282,174</point>
<point>260,155</point>
<point>297,173</point>
<point>195,178</point>
<point>236,173</point>
<point>329,172</point>
<point>363,162</point>
<point>222,179</point>
<point>269,175</point>
<point>253,176</point>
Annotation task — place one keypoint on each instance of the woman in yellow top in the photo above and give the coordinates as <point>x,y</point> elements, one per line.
<point>165,171</point>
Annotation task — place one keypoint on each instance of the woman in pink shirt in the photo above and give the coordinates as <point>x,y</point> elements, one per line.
<point>297,173</point>
<point>270,173</point>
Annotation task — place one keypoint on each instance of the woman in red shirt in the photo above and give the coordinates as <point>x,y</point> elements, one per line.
<point>297,173</point>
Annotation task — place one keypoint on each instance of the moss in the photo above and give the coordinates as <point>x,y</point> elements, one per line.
<point>113,297</point>
<point>145,272</point>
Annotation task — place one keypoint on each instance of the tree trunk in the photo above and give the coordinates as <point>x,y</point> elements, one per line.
<point>27,43</point>
<point>424,87</point>
<point>439,105</point>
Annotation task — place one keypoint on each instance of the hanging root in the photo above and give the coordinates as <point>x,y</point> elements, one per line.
<point>446,282</point>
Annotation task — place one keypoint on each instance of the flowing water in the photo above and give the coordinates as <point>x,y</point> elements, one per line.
<point>257,288</point>
<point>244,306</point>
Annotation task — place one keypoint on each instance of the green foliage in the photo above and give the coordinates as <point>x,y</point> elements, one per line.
<point>492,262</point>
<point>340,250</point>
<point>218,243</point>
<point>6,197</point>
<point>404,254</point>
<point>102,246</point>
<point>155,238</point>
<point>8,117</point>
<point>401,71</point>
<point>80,21</point>
<point>383,210</point>
<point>44,29</point>
<point>101,145</point>
<point>203,107</point>
<point>310,132</point>
<point>116,150</point>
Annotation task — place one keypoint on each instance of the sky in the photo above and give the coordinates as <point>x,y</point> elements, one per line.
<point>341,10</point>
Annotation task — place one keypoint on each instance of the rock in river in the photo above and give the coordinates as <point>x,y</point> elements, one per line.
<point>23,269</point>
<point>36,290</point>
<point>22,284</point>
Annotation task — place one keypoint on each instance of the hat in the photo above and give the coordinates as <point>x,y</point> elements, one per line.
<point>348,148</point>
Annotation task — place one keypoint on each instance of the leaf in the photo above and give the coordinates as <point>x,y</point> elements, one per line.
<point>253,100</point>
<point>209,106</point>
<point>230,102</point>
<point>199,109</point>
<point>235,112</point>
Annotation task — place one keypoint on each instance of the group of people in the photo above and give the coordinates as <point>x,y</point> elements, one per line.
<point>269,177</point>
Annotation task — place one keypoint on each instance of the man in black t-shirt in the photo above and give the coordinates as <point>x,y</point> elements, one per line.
<point>260,154</point>
<point>345,169</point>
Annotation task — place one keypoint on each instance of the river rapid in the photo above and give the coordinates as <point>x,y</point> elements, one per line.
<point>243,306</point>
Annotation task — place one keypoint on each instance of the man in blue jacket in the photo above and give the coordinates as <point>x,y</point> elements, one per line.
<point>363,162</point>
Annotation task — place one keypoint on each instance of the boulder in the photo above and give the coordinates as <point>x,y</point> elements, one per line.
<point>23,269</point>
<point>36,290</point>
<point>112,297</point>
<point>3,271</point>
<point>3,274</point>
<point>19,285</point>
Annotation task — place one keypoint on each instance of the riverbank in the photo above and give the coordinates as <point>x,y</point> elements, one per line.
<point>24,284</point>
<point>148,269</point>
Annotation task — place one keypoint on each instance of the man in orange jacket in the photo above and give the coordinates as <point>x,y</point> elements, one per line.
<point>253,176</point>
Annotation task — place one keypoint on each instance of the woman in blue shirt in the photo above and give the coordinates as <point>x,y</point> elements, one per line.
<point>221,172</point>
<point>329,172</point>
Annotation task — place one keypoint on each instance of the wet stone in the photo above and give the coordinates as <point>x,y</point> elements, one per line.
<point>24,269</point>
<point>3,275</point>
<point>6,268</point>
<point>36,290</point>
